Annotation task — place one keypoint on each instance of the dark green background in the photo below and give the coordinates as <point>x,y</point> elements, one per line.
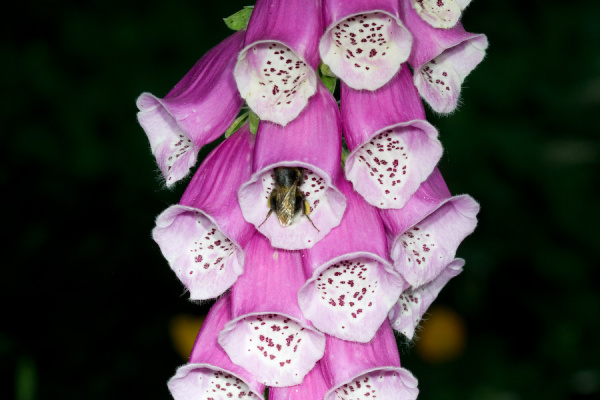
<point>86,295</point>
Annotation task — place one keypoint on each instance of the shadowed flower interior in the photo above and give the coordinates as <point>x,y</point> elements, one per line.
<point>366,50</point>
<point>275,82</point>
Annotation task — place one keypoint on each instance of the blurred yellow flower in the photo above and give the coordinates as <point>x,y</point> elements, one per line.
<point>442,337</point>
<point>183,330</point>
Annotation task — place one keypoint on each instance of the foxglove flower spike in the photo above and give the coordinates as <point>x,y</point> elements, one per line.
<point>414,302</point>
<point>195,112</point>
<point>312,142</point>
<point>268,334</point>
<point>352,285</point>
<point>367,370</point>
<point>275,72</point>
<point>441,59</point>
<point>365,42</point>
<point>393,148</point>
<point>202,237</point>
<point>210,374</point>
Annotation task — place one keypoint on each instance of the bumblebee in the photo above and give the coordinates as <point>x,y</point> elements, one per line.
<point>286,199</point>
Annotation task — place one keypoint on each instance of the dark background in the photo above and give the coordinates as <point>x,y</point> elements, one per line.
<point>87,297</point>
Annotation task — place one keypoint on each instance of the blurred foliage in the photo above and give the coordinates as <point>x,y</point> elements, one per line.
<point>88,297</point>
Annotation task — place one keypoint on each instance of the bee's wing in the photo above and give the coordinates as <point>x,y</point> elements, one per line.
<point>286,202</point>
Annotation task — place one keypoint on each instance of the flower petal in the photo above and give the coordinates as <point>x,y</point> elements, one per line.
<point>269,335</point>
<point>414,302</point>
<point>439,14</point>
<point>352,285</point>
<point>441,59</point>
<point>424,250</point>
<point>275,72</point>
<point>367,370</point>
<point>195,112</point>
<point>393,149</point>
<point>202,237</point>
<point>311,142</point>
<point>313,387</point>
<point>365,41</point>
<point>209,372</point>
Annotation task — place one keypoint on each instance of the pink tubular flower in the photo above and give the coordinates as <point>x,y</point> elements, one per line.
<point>268,334</point>
<point>275,72</point>
<point>393,149</point>
<point>195,112</point>
<point>427,231</point>
<point>313,387</point>
<point>414,302</point>
<point>365,42</point>
<point>440,13</point>
<point>311,142</point>
<point>202,237</point>
<point>352,285</point>
<point>367,370</point>
<point>210,374</point>
<point>441,59</point>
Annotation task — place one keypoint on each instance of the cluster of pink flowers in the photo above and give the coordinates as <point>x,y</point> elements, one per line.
<point>309,307</point>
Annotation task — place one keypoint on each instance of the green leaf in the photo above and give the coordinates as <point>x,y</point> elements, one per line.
<point>329,82</point>
<point>239,20</point>
<point>325,70</point>
<point>254,120</point>
<point>237,124</point>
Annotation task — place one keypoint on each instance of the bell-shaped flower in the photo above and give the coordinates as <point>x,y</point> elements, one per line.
<point>202,237</point>
<point>441,59</point>
<point>414,301</point>
<point>425,234</point>
<point>365,42</point>
<point>367,370</point>
<point>313,387</point>
<point>440,14</point>
<point>393,149</point>
<point>312,143</point>
<point>195,112</point>
<point>275,72</point>
<point>210,374</point>
<point>268,334</point>
<point>352,285</point>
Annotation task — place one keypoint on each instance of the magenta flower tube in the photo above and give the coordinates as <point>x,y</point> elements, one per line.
<point>365,42</point>
<point>393,149</point>
<point>352,285</point>
<point>275,72</point>
<point>414,302</point>
<point>313,143</point>
<point>210,374</point>
<point>268,334</point>
<point>441,59</point>
<point>367,370</point>
<point>195,112</point>
<point>440,14</point>
<point>422,251</point>
<point>202,237</point>
<point>313,387</point>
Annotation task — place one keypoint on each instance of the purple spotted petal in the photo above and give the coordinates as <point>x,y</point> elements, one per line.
<point>268,334</point>
<point>440,13</point>
<point>365,41</point>
<point>414,302</point>
<point>367,370</point>
<point>210,374</point>
<point>202,237</point>
<point>352,284</point>
<point>195,112</point>
<point>312,142</point>
<point>313,387</point>
<point>393,149</point>
<point>441,59</point>
<point>275,72</point>
<point>423,251</point>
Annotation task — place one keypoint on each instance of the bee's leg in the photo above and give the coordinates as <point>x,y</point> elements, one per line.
<point>272,204</point>
<point>302,203</point>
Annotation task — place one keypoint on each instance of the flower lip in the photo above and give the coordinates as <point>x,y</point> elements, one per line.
<point>359,59</point>
<point>407,384</point>
<point>185,373</point>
